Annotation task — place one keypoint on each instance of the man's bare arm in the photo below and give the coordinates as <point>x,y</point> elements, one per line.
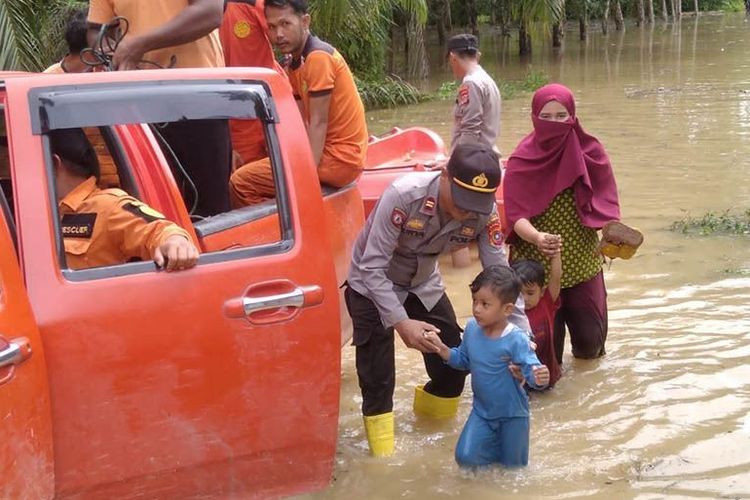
<point>198,19</point>
<point>318,127</point>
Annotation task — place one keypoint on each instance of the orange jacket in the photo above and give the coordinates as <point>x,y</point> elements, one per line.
<point>103,227</point>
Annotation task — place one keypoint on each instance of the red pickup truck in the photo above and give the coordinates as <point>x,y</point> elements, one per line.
<point>125,381</point>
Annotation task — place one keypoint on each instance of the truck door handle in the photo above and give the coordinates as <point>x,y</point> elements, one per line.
<point>273,302</point>
<point>16,352</point>
<point>295,298</point>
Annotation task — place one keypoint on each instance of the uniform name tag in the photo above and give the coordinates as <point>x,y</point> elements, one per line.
<point>78,225</point>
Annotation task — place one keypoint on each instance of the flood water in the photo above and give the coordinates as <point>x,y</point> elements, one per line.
<point>666,413</point>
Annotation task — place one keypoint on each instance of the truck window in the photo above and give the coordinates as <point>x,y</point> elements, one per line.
<point>141,157</point>
<point>250,182</point>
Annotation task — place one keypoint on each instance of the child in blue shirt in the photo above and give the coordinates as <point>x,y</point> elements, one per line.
<point>497,430</point>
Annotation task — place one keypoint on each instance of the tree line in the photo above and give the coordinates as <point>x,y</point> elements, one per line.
<point>373,34</point>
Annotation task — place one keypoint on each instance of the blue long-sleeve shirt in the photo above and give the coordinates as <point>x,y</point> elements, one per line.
<point>496,393</point>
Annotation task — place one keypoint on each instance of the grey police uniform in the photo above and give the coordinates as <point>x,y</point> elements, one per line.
<point>477,110</point>
<point>394,276</point>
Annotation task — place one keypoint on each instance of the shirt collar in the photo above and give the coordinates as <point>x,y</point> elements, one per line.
<point>75,198</point>
<point>296,63</point>
<point>508,328</point>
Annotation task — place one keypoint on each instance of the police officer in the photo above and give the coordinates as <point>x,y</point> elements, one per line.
<point>476,115</point>
<point>394,280</point>
<point>103,227</point>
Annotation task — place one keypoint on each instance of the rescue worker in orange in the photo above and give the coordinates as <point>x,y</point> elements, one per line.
<point>76,31</point>
<point>244,39</point>
<point>75,38</point>
<point>108,227</point>
<point>328,99</point>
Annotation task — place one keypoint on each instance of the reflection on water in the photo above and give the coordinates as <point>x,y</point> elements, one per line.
<point>666,414</point>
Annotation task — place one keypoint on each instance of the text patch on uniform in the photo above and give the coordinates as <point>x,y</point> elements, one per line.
<point>78,225</point>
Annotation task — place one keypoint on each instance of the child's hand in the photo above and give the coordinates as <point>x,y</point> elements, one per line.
<point>440,348</point>
<point>515,370</point>
<point>541,375</point>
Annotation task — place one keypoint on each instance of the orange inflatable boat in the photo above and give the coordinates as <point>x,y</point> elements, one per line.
<point>398,152</point>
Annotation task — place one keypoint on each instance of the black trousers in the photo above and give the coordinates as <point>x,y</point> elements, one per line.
<point>376,364</point>
<point>204,148</point>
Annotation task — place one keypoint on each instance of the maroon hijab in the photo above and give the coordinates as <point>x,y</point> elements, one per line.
<point>554,157</point>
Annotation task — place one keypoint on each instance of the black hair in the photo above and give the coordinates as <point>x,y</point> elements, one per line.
<point>466,53</point>
<point>75,31</point>
<point>530,272</point>
<point>74,148</point>
<point>299,6</point>
<point>502,280</point>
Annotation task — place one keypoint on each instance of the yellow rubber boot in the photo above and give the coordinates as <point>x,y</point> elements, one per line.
<point>379,429</point>
<point>433,406</point>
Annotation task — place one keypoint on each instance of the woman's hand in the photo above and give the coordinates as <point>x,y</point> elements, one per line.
<point>548,244</point>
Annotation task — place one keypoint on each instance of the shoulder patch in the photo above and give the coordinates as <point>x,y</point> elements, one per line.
<point>143,211</point>
<point>242,29</point>
<point>463,95</point>
<point>78,225</point>
<point>398,217</point>
<point>119,193</point>
<point>494,231</point>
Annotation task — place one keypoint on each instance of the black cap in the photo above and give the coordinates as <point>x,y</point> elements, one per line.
<point>464,41</point>
<point>474,171</point>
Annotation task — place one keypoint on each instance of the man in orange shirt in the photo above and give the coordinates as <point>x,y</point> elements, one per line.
<point>244,38</point>
<point>108,227</point>
<point>328,99</point>
<point>181,34</point>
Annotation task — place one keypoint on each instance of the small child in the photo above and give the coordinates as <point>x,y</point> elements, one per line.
<point>497,430</point>
<point>541,305</point>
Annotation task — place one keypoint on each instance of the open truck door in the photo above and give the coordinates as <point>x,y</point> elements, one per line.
<point>219,381</point>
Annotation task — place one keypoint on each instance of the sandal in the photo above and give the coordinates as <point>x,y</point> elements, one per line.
<point>619,240</point>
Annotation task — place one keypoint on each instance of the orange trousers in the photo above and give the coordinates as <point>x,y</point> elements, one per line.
<point>252,183</point>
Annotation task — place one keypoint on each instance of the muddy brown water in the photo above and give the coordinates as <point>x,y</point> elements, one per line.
<point>666,414</point>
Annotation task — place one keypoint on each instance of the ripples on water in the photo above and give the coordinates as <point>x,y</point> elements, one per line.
<point>666,413</point>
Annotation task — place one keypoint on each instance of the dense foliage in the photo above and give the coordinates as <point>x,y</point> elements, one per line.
<point>373,34</point>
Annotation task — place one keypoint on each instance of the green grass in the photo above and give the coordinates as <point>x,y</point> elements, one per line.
<point>509,89</point>
<point>392,91</point>
<point>733,6</point>
<point>742,271</point>
<point>388,93</point>
<point>714,223</point>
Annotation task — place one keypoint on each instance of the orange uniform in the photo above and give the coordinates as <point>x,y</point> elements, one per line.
<point>108,227</point>
<point>146,15</point>
<point>244,39</point>
<point>320,71</point>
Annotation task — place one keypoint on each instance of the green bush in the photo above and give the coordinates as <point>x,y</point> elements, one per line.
<point>509,89</point>
<point>714,223</point>
<point>389,92</point>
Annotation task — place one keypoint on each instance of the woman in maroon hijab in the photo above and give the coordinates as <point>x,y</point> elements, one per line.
<point>558,191</point>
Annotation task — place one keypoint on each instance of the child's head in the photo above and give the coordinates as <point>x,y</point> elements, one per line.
<point>494,292</point>
<point>531,274</point>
